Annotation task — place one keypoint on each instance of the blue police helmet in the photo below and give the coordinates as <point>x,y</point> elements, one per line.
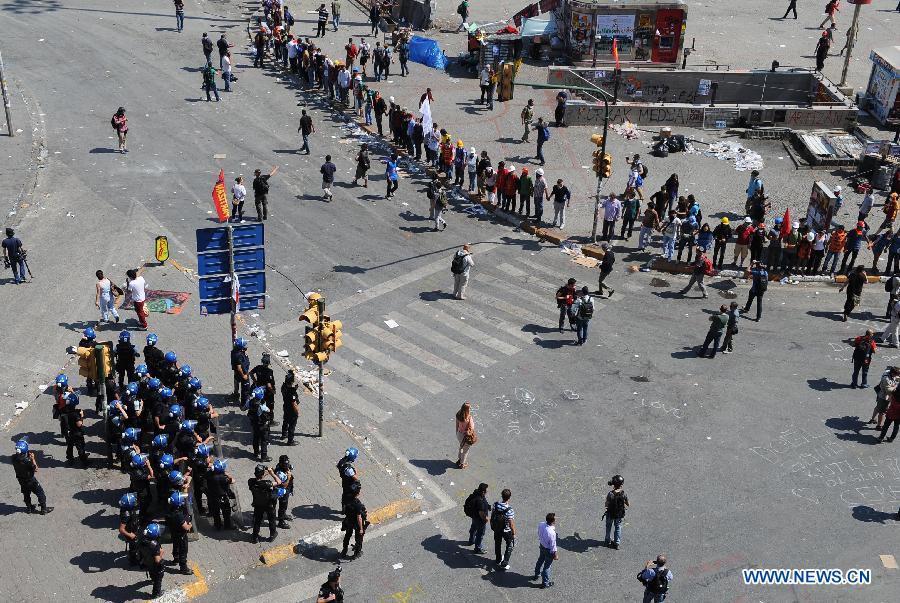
<point>154,383</point>
<point>124,336</point>
<point>89,333</point>
<point>131,434</point>
<point>176,411</point>
<point>201,403</point>
<point>132,388</point>
<point>281,475</point>
<point>279,492</point>
<point>128,501</point>
<point>166,392</point>
<point>72,399</point>
<point>219,465</point>
<point>152,339</point>
<point>259,393</point>
<point>185,371</point>
<point>160,440</point>
<point>138,459</point>
<point>202,450</point>
<point>153,530</point>
<point>140,370</point>
<point>352,453</point>
<point>62,380</point>
<point>188,425</point>
<point>177,499</point>
<point>195,384</point>
<point>240,343</point>
<point>176,478</point>
<point>171,357</point>
<point>779,220</point>
<point>22,446</point>
<point>166,461</point>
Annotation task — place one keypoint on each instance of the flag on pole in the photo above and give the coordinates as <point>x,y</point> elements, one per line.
<point>220,199</point>
<point>425,109</point>
<point>615,51</point>
<point>236,290</point>
<point>786,223</point>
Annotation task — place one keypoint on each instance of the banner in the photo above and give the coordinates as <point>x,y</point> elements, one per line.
<point>425,112</point>
<point>220,199</point>
<point>162,249</point>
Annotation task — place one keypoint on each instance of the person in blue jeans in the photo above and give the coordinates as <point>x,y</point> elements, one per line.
<point>548,553</point>
<point>542,137</point>
<point>14,255</point>
<point>582,311</point>
<point>758,289</point>
<point>179,14</point>
<point>616,503</point>
<point>656,577</point>
<point>482,509</point>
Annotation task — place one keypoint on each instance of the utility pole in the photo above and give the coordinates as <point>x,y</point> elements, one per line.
<point>851,38</point>
<point>322,337</point>
<point>320,304</point>
<point>234,284</point>
<point>9,126</point>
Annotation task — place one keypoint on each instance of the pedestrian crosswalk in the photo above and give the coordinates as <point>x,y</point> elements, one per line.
<point>421,350</point>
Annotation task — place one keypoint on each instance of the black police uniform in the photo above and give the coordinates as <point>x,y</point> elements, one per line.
<point>175,518</point>
<point>150,549</point>
<point>285,465</point>
<point>140,485</point>
<point>185,443</point>
<point>260,422</point>
<point>89,343</point>
<point>113,438</point>
<point>28,484</point>
<point>159,410</point>
<point>59,407</point>
<point>218,487</point>
<point>263,505</point>
<point>169,374</point>
<point>153,358</point>
<point>163,485</point>
<point>326,590</point>
<point>346,482</point>
<point>242,388</point>
<point>289,396</point>
<point>129,519</point>
<point>199,480</point>
<point>126,354</point>
<point>130,404</point>
<point>75,436</point>
<point>183,394</point>
<point>264,377</point>
<point>354,510</point>
<point>204,422</point>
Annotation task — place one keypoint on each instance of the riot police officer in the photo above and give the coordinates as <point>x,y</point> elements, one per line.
<point>75,425</point>
<point>127,441</point>
<point>174,415</point>
<point>252,408</point>
<point>169,372</point>
<point>263,492</point>
<point>126,354</point>
<point>189,396</point>
<point>219,494</point>
<point>60,390</point>
<point>89,340</point>
<point>182,389</point>
<point>263,376</point>
<point>347,473</point>
<point>204,413</point>
<point>129,526</point>
<point>186,440</point>
<point>240,364</point>
<point>285,472</point>
<point>355,522</point>
<point>153,356</point>
<point>261,433</point>
<point>331,591</point>
<point>165,465</point>
<point>131,404</point>
<point>141,473</point>
<point>201,463</point>
<point>179,523</point>
<point>291,406</point>
<point>157,409</point>
<point>26,467</point>
<point>151,556</point>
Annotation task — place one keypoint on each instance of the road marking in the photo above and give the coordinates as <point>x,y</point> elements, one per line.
<point>413,376</point>
<point>423,356</point>
<point>356,402</point>
<point>374,383</point>
<point>540,267</point>
<point>452,345</point>
<point>888,561</point>
<point>461,327</point>
<point>513,291</point>
<point>198,587</point>
<point>480,296</point>
<point>528,278</point>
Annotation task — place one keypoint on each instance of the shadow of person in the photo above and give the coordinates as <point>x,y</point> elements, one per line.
<point>453,553</point>
<point>576,544</point>
<point>434,466</point>
<point>92,562</point>
<point>870,515</point>
<point>120,594</point>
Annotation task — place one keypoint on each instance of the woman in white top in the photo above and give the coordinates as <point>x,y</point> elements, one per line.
<point>104,299</point>
<point>238,192</point>
<point>226,70</point>
<point>471,166</point>
<point>465,425</point>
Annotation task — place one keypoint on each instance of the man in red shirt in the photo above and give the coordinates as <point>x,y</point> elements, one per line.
<point>352,51</point>
<point>744,233</point>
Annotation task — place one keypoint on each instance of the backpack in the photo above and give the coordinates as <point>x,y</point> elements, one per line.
<point>442,200</point>
<point>145,549</point>
<point>546,133</point>
<point>498,520</point>
<point>644,171</point>
<point>470,507</point>
<point>707,266</point>
<point>458,266</point>
<point>763,284</point>
<point>586,310</point>
<point>112,122</point>
<point>617,505</point>
<point>657,585</point>
<point>461,9</point>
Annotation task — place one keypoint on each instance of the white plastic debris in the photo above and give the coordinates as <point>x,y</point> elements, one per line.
<point>391,324</point>
<point>397,566</point>
<point>283,353</point>
<point>727,150</point>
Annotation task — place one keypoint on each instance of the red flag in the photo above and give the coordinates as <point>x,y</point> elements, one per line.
<point>615,51</point>
<point>220,199</point>
<point>786,223</point>
<point>236,290</point>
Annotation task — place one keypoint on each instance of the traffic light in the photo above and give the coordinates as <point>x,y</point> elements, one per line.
<point>331,335</point>
<point>597,139</point>
<point>312,313</point>
<point>598,161</point>
<point>606,165</point>
<point>87,363</point>
<point>311,349</point>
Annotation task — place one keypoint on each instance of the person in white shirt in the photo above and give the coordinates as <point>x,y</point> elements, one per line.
<point>462,264</point>
<point>136,290</point>
<point>548,551</point>
<point>238,193</point>
<point>226,70</point>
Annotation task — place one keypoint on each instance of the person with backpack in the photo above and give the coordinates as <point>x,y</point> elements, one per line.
<point>864,348</point>
<point>478,509</point>
<point>209,81</point>
<point>261,192</point>
<point>150,555</point>
<point>702,268</point>
<point>718,323</point>
<point>460,266</point>
<point>760,276</point>
<point>565,297</point>
<point>504,527</point>
<point>656,577</point>
<point>548,552</point>
<point>327,170</point>
<point>831,9</point>
<point>616,503</point>
<point>463,11</point>
<point>543,135</point>
<point>606,268</point>
<point>582,312</point>
<point>884,393</point>
<point>440,204</point>
<point>403,57</point>
<point>854,285</point>
<point>263,500</point>
<point>119,123</point>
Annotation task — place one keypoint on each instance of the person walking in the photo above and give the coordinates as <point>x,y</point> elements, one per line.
<point>565,297</point>
<point>821,51</point>
<point>547,551</point>
<point>856,240</point>
<point>649,224</point>
<point>206,45</point>
<point>731,329</point>
<point>484,80</point>
<point>460,266</point>
<point>760,276</point>
<point>831,9</point>
<point>238,194</point>
<point>630,210</point>
<point>374,17</point>
<point>656,578</point>
<point>717,325</point>
<point>392,175</point>
<point>209,82</point>
<point>864,347</point>
<point>541,194</point>
<point>478,508</point>
<point>440,204</point>
<point>504,527</point>
<point>702,268</point>
<point>612,211</point>
<point>14,256</point>
<point>582,311</point>
<point>119,123</point>
<point>463,11</point>
<point>527,118</point>
<point>606,268</point>
<point>261,193</point>
<point>792,6</point>
<point>355,523</point>
<point>616,504</point>
<point>856,280</point>
<point>305,128</point>
<point>884,393</point>
<point>335,16</point>
<point>892,414</point>
<point>104,298</point>
<point>403,57</point>
<point>136,291</point>
<point>327,170</point>
<point>543,135</point>
<point>179,15</point>
<point>321,21</point>
<point>465,434</point>
<point>363,163</point>
<point>562,198</point>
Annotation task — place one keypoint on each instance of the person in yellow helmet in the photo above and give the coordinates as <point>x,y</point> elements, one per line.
<point>721,236</point>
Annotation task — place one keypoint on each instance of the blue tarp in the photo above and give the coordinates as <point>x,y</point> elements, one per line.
<point>427,52</point>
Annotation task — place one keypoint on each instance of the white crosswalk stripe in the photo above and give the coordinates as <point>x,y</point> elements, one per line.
<point>443,341</point>
<point>461,327</point>
<point>388,391</point>
<point>423,356</point>
<point>516,292</point>
<point>479,295</point>
<point>356,402</point>
<point>393,365</point>
<point>527,278</point>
